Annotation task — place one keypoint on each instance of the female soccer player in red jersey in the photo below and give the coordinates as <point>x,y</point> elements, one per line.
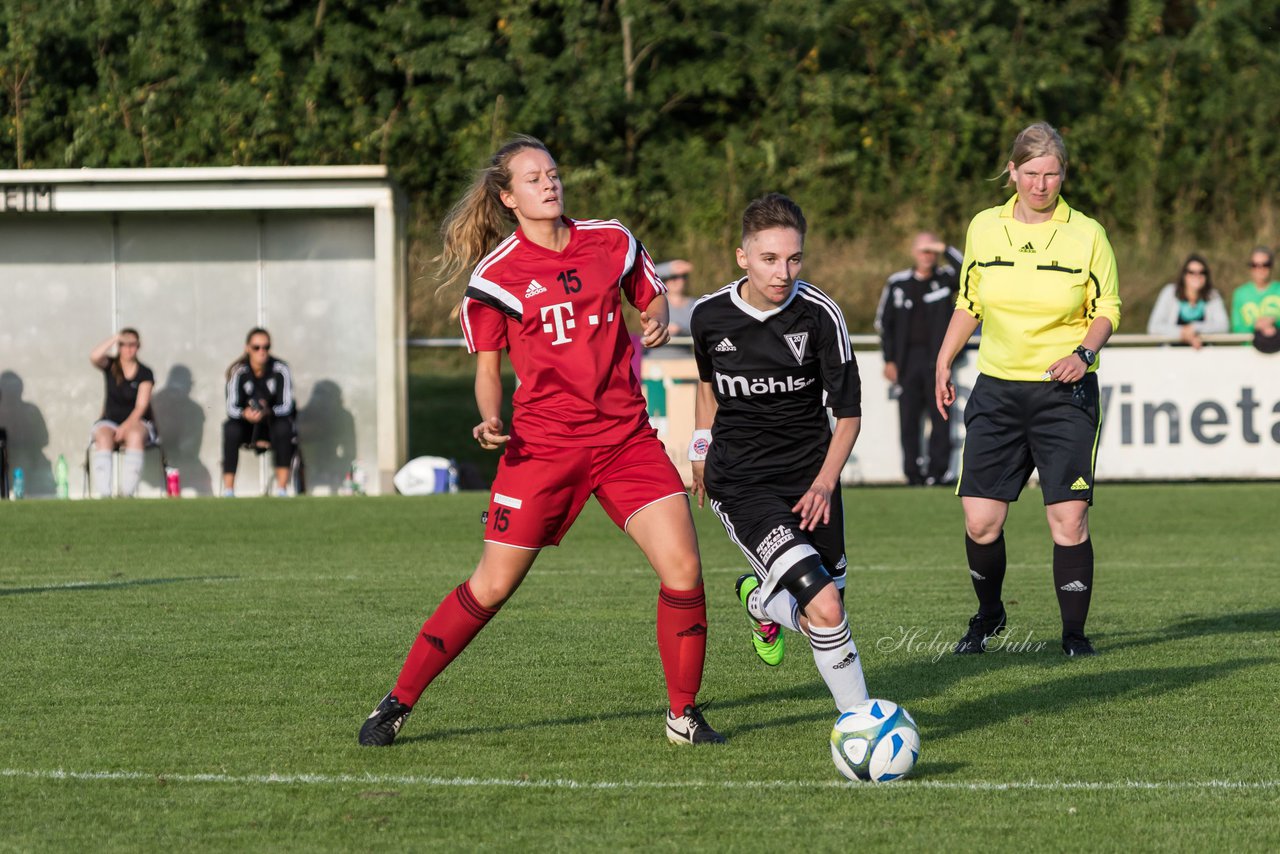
<point>549,294</point>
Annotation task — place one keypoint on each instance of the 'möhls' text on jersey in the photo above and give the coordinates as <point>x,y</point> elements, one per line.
<point>772,373</point>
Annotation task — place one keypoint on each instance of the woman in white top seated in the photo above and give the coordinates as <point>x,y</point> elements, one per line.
<point>1190,307</point>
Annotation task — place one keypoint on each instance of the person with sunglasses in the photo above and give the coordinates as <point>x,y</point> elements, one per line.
<point>1190,307</point>
<point>260,410</point>
<point>1255,305</point>
<point>126,418</point>
<point>675,275</point>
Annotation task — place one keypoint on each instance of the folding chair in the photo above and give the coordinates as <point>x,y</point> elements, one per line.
<point>118,451</point>
<point>266,471</point>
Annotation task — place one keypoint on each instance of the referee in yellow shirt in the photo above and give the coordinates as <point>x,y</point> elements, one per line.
<point>1041,279</point>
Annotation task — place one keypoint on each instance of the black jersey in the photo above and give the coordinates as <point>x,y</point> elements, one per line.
<point>913,314</point>
<point>122,397</point>
<point>273,390</point>
<point>774,373</point>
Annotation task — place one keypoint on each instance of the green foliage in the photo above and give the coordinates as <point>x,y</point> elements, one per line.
<point>878,115</point>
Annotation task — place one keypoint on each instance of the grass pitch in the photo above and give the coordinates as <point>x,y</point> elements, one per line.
<point>193,673</point>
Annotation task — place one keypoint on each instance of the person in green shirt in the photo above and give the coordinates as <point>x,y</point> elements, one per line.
<point>1255,305</point>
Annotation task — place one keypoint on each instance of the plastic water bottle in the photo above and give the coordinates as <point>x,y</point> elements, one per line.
<point>61,478</point>
<point>172,482</point>
<point>348,485</point>
<point>359,479</point>
<point>19,484</point>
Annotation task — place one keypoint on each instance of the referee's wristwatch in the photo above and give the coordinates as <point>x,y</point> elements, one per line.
<point>1087,356</point>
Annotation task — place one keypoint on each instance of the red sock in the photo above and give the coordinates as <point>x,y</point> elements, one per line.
<point>445,634</point>
<point>682,643</point>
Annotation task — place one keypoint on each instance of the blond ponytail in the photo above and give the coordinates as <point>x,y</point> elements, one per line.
<point>479,220</point>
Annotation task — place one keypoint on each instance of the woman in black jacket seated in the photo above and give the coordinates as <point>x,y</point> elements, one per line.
<point>260,410</point>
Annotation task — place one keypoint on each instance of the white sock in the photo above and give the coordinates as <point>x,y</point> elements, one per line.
<point>100,473</point>
<point>753,605</point>
<point>130,472</point>
<point>837,659</point>
<point>781,609</point>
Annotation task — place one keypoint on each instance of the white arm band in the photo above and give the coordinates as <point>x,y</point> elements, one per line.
<point>699,446</point>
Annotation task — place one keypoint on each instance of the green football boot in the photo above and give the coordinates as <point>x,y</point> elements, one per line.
<point>766,635</point>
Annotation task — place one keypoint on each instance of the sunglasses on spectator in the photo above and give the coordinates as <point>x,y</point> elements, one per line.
<point>1191,272</point>
<point>259,346</point>
<point>1260,265</point>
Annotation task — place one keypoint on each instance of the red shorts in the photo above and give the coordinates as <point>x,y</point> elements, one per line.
<point>540,490</point>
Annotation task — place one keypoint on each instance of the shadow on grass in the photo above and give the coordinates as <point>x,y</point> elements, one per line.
<point>927,677</point>
<point>77,586</point>
<point>1082,688</point>
<point>654,712</point>
<point>924,678</point>
<point>1198,627</point>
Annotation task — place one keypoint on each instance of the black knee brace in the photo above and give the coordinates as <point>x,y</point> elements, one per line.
<point>805,580</point>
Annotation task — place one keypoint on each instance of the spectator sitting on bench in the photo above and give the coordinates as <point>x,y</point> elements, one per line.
<point>126,418</point>
<point>260,411</point>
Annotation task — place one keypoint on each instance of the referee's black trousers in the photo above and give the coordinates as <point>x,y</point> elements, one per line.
<point>917,400</point>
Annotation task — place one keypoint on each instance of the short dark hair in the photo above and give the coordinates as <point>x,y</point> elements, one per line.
<point>772,210</point>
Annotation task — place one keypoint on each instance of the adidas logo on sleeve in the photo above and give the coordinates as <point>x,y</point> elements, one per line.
<point>726,346</point>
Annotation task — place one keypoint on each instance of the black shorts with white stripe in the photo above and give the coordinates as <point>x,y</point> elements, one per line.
<point>760,522</point>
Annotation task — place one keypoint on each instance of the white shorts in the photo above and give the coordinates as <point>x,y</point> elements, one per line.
<point>153,438</point>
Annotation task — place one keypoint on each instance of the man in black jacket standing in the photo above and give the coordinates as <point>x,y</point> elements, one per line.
<point>912,319</point>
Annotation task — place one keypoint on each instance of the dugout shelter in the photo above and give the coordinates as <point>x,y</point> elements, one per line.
<point>193,259</point>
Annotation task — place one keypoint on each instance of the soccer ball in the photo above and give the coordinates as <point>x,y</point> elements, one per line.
<point>876,740</point>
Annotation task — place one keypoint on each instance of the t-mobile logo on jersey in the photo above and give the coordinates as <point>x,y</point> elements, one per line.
<point>561,321</point>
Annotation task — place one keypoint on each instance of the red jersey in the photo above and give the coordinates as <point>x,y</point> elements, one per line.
<point>559,315</point>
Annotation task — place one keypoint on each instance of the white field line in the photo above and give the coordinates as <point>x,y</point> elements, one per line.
<point>477,782</point>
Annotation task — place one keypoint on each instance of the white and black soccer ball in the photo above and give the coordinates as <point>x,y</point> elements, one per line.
<point>876,740</point>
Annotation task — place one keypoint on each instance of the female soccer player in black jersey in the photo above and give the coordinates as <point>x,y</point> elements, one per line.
<point>126,420</point>
<point>773,354</point>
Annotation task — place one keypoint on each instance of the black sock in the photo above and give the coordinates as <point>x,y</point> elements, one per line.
<point>986,569</point>
<point>1073,582</point>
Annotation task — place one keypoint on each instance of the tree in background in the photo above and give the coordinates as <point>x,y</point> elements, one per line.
<point>882,115</point>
